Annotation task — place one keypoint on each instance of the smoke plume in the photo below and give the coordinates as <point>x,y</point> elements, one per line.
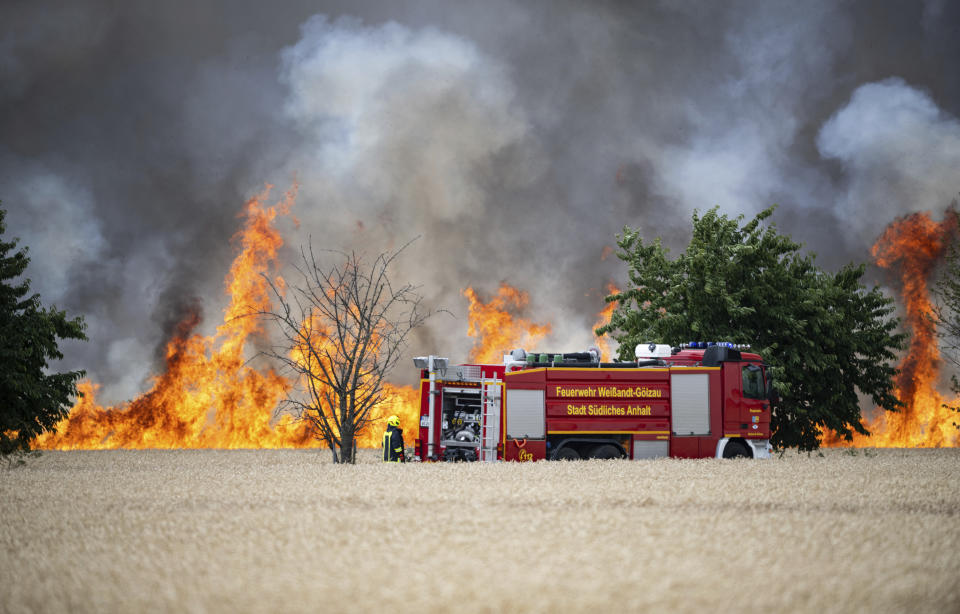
<point>515,139</point>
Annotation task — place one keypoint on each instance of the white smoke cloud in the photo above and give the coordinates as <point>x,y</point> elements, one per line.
<point>396,118</point>
<point>740,151</point>
<point>403,132</point>
<point>900,154</point>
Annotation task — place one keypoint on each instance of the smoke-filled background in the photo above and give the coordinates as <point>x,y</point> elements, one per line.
<point>515,138</point>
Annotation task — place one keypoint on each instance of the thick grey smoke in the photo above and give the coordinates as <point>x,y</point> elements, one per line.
<point>900,154</point>
<point>515,138</point>
<point>741,134</point>
<point>402,131</point>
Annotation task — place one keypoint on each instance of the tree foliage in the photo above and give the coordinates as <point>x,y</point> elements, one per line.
<point>343,328</point>
<point>824,335</point>
<point>31,399</point>
<point>947,314</point>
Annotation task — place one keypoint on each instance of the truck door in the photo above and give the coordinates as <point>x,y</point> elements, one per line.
<point>746,408</point>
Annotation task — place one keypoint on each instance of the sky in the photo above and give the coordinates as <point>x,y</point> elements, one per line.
<point>515,139</point>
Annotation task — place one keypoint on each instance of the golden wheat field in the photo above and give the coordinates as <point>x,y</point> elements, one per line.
<point>287,531</point>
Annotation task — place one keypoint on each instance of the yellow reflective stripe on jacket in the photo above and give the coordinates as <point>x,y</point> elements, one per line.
<point>386,448</point>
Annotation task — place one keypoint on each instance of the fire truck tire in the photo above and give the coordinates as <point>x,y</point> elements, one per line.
<point>735,449</point>
<point>605,451</point>
<point>566,453</point>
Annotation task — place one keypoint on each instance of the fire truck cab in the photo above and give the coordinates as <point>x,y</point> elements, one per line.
<point>697,400</point>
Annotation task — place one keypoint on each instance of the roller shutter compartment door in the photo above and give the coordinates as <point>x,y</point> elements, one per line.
<point>525,414</point>
<point>650,449</point>
<point>690,400</point>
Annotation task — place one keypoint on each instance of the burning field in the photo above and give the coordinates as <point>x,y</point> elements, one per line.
<point>286,530</point>
<point>211,395</point>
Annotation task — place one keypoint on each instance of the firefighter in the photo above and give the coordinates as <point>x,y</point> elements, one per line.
<point>393,441</point>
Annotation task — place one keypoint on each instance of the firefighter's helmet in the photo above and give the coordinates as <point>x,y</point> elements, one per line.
<point>393,421</point>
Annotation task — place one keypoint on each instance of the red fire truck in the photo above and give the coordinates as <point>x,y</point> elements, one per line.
<point>694,401</point>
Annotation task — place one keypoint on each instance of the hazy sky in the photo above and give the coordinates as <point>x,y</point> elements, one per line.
<point>516,138</point>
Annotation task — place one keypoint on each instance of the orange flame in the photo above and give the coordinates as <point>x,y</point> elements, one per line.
<point>603,318</point>
<point>913,246</point>
<point>497,331</point>
<point>207,397</point>
<point>402,401</point>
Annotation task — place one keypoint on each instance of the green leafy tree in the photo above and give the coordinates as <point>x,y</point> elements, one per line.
<point>31,399</point>
<point>947,314</point>
<point>825,336</point>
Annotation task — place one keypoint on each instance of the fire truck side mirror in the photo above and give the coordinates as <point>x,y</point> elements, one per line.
<point>772,395</point>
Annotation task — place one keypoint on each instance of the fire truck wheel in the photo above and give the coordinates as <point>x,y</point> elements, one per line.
<point>605,451</point>
<point>735,449</point>
<point>566,453</point>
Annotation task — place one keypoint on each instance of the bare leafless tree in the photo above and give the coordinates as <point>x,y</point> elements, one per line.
<point>342,328</point>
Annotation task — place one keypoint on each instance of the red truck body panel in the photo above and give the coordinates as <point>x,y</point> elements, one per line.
<point>678,408</point>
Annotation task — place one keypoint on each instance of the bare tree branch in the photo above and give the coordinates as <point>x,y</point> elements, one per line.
<point>341,329</point>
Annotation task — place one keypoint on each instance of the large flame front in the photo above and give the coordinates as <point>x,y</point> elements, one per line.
<point>208,397</point>
<point>912,247</point>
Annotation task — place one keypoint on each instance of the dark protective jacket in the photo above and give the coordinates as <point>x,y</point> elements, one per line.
<point>393,445</point>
